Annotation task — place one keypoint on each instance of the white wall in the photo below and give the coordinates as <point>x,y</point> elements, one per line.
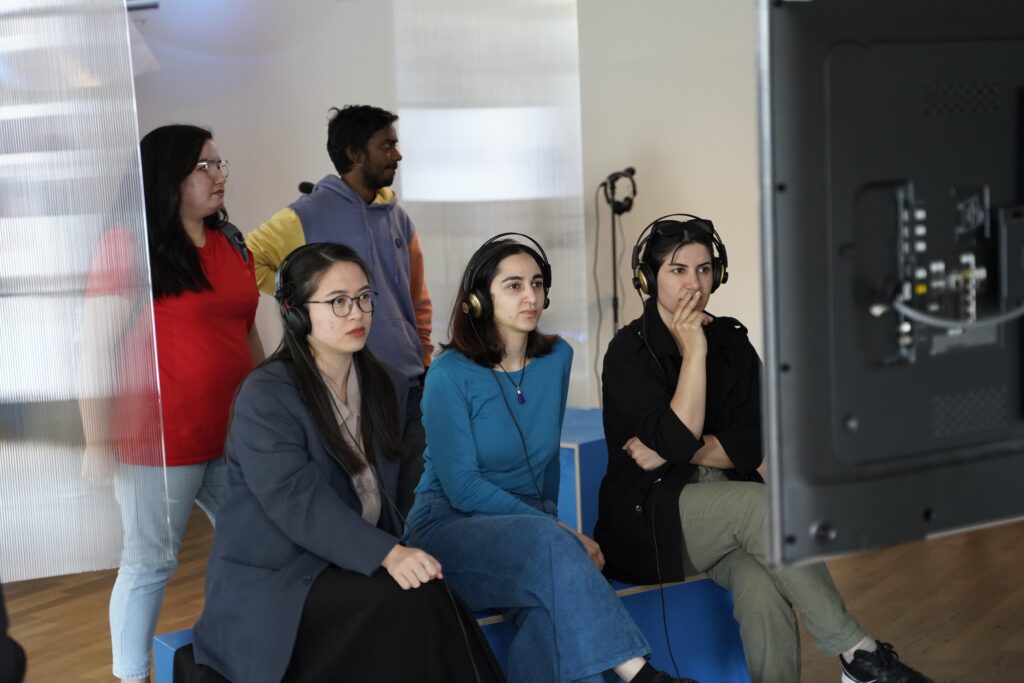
<point>262,76</point>
<point>669,87</point>
<point>490,129</point>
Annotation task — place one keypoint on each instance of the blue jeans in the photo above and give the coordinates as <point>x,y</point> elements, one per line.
<point>571,625</point>
<point>152,527</point>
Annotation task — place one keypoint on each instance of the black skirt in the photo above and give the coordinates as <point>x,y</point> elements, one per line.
<point>357,628</point>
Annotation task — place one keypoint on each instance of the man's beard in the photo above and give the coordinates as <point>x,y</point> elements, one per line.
<point>376,180</point>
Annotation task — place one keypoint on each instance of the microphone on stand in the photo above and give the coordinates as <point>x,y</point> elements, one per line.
<point>627,172</point>
<point>306,187</point>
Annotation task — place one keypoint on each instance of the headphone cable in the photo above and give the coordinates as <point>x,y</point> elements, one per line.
<point>508,407</point>
<point>597,293</point>
<point>643,334</point>
<point>622,249</point>
<point>522,439</point>
<point>462,627</point>
<point>661,585</point>
<point>655,486</point>
<point>405,522</point>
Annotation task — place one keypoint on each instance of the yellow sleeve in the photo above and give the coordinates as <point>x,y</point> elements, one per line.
<point>271,242</point>
<point>420,298</point>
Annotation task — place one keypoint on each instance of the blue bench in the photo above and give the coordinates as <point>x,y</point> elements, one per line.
<point>698,613</point>
<point>164,647</point>
<point>705,638</point>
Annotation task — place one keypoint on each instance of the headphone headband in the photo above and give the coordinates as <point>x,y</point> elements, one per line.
<point>279,280</point>
<point>482,255</point>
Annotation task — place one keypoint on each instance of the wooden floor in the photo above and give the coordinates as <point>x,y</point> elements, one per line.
<point>954,606</point>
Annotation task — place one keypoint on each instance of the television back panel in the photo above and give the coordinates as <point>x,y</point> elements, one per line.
<point>892,168</point>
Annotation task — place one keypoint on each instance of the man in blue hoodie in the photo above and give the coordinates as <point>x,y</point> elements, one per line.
<point>357,208</point>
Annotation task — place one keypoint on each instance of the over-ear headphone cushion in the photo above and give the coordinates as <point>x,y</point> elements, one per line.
<point>646,280</point>
<point>719,275</point>
<point>478,305</point>
<point>724,277</point>
<point>296,319</point>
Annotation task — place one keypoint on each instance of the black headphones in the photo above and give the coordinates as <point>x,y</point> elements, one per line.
<point>645,279</point>
<point>478,299</point>
<point>294,315</point>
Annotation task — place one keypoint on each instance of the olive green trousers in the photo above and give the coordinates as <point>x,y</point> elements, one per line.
<point>725,535</point>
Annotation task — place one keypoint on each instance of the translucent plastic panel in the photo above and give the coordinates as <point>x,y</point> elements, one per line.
<point>489,128</point>
<point>79,402</point>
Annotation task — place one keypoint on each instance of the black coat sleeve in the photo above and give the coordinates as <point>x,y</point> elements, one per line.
<point>637,396</point>
<point>740,435</point>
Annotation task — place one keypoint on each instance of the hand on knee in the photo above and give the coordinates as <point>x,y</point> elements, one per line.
<point>411,567</point>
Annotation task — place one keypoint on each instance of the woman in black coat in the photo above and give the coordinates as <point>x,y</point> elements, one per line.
<point>682,493</point>
<point>308,580</point>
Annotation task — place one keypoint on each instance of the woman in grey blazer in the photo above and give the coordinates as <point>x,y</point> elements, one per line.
<point>307,579</point>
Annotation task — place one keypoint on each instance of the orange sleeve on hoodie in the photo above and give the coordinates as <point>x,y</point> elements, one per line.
<point>420,298</point>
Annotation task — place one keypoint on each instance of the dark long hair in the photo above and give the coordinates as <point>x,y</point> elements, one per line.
<point>169,155</point>
<point>480,340</point>
<point>378,419</point>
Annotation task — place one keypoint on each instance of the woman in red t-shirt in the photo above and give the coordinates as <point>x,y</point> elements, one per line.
<point>204,307</point>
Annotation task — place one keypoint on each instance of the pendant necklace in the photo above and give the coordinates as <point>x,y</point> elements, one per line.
<point>519,386</point>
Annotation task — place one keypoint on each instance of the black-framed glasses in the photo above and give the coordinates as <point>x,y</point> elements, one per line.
<point>342,305</point>
<point>214,166</point>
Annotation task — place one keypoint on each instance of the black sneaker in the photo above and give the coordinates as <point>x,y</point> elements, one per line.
<point>881,666</point>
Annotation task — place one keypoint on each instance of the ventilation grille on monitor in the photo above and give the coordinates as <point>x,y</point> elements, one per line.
<point>962,98</point>
<point>971,411</point>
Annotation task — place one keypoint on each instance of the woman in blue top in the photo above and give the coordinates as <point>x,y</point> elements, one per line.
<point>485,508</point>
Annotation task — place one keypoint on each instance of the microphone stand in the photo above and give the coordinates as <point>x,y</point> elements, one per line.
<point>617,208</point>
<point>615,252</point>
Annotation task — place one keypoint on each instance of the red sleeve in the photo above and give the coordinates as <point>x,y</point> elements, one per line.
<point>252,270</point>
<point>113,270</point>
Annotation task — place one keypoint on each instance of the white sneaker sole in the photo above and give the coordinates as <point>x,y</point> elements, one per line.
<point>847,679</point>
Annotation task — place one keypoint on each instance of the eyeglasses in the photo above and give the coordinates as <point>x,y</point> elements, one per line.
<point>342,305</point>
<point>213,167</point>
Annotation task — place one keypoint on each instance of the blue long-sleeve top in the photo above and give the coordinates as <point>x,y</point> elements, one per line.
<point>474,453</point>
